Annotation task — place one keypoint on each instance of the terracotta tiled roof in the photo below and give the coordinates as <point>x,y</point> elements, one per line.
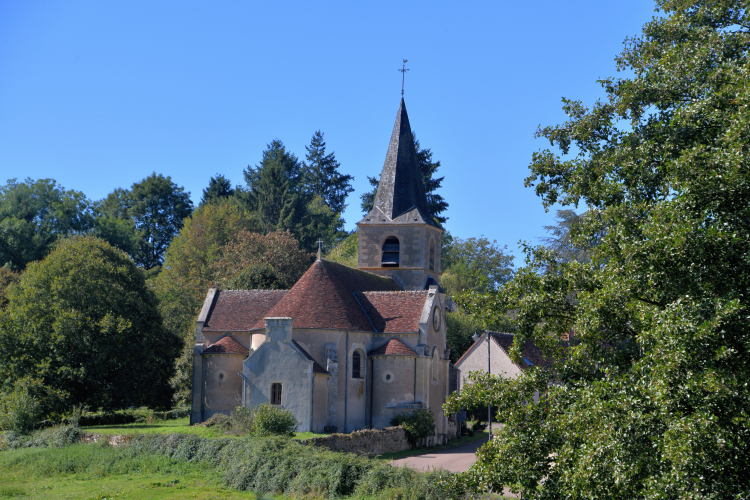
<point>394,346</point>
<point>324,298</point>
<point>316,367</point>
<point>239,310</point>
<point>393,312</point>
<point>227,345</point>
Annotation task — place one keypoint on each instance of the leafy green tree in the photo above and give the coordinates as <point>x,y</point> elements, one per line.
<point>143,220</point>
<point>475,264</point>
<point>84,322</point>
<point>321,175</point>
<point>218,187</point>
<point>652,399</point>
<point>346,252</point>
<point>565,230</point>
<point>436,204</point>
<point>186,275</point>
<point>252,260</point>
<point>34,215</point>
<point>7,278</point>
<point>158,207</point>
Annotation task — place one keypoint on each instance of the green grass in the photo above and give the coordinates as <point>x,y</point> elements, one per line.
<point>97,472</point>
<point>179,426</point>
<point>478,436</point>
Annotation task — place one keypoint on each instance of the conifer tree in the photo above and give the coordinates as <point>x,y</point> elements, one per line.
<point>321,175</point>
<point>218,187</point>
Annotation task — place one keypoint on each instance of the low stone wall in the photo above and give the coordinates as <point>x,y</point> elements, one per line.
<point>366,442</point>
<point>88,438</point>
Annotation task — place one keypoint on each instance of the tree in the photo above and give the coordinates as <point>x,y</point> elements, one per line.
<point>475,264</point>
<point>276,194</point>
<point>158,207</point>
<point>84,322</point>
<point>252,261</point>
<point>652,398</point>
<point>436,204</point>
<point>186,275</point>
<point>563,234</point>
<point>34,215</point>
<point>321,175</point>
<point>7,278</point>
<point>218,187</point>
<point>143,220</point>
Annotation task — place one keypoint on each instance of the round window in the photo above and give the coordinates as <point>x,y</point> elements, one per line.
<point>387,377</point>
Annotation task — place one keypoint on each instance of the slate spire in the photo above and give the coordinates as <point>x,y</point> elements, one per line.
<point>401,188</point>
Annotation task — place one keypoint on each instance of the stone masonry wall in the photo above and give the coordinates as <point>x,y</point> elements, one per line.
<point>365,442</point>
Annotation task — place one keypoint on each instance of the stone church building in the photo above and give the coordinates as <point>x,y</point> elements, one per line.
<point>343,349</point>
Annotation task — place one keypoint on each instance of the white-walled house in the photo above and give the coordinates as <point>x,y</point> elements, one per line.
<point>475,358</point>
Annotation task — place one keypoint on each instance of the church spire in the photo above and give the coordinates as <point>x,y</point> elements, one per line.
<point>401,188</point>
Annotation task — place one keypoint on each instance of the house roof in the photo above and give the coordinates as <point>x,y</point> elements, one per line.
<point>324,297</point>
<point>227,345</point>
<point>530,351</point>
<point>400,196</point>
<point>504,341</point>
<point>239,310</point>
<point>393,312</point>
<point>395,347</point>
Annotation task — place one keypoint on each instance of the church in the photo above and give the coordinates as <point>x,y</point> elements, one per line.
<point>343,349</point>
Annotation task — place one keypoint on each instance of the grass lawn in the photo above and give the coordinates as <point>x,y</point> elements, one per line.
<point>96,472</point>
<point>180,425</point>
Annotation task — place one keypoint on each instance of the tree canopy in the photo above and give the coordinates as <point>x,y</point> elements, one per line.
<point>143,220</point>
<point>321,175</point>
<point>218,187</point>
<point>652,398</point>
<point>475,264</point>
<point>34,215</point>
<point>436,204</point>
<point>277,194</point>
<point>84,322</point>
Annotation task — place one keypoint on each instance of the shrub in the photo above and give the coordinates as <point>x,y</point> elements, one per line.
<point>418,424</point>
<point>20,407</point>
<point>268,420</point>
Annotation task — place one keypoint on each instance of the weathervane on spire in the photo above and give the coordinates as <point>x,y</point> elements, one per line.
<point>403,71</point>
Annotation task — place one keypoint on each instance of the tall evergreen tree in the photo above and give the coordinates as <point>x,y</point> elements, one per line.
<point>218,187</point>
<point>321,175</point>
<point>436,204</point>
<point>275,193</point>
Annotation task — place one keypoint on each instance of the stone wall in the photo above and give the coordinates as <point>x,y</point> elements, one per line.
<point>365,442</point>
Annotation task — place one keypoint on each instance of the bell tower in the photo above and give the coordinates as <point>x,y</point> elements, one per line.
<point>399,237</point>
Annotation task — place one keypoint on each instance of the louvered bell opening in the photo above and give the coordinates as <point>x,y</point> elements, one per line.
<point>390,259</point>
<point>390,252</point>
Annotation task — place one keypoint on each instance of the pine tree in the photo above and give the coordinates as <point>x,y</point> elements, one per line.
<point>218,187</point>
<point>321,175</point>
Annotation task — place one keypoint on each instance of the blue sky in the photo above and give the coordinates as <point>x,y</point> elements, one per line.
<point>98,95</point>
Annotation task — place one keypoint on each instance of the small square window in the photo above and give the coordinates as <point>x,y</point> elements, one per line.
<point>275,394</point>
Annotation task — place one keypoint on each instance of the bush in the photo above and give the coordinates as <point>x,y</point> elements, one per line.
<point>130,416</point>
<point>21,407</point>
<point>418,424</point>
<point>269,420</point>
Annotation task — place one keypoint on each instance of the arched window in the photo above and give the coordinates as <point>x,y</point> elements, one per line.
<point>435,358</point>
<point>432,255</point>
<point>390,252</point>
<point>357,369</point>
